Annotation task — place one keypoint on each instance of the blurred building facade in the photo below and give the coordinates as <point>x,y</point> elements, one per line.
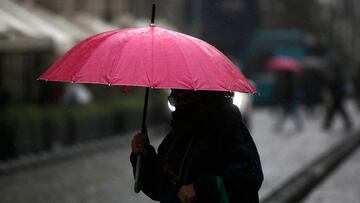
<point>58,25</point>
<point>227,24</point>
<point>113,10</point>
<point>335,22</point>
<point>33,33</point>
<point>344,21</point>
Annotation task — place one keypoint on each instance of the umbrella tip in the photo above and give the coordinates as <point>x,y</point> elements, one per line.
<point>153,14</point>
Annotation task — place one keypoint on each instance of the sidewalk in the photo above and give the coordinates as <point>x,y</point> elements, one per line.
<point>101,176</point>
<point>106,175</point>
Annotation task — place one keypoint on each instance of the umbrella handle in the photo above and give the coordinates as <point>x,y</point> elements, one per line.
<point>137,186</point>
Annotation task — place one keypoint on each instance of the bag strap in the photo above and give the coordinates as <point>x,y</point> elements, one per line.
<point>221,187</point>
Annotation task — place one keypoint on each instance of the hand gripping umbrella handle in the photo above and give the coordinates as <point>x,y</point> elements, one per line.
<point>137,186</point>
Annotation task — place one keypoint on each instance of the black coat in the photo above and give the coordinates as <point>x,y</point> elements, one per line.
<point>219,144</point>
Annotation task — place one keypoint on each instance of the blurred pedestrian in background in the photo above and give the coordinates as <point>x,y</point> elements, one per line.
<point>285,95</point>
<point>312,83</point>
<point>336,95</point>
<point>208,156</point>
<point>77,94</point>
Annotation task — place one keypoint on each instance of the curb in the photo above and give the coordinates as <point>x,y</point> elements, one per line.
<point>299,185</point>
<point>65,153</point>
<point>68,153</point>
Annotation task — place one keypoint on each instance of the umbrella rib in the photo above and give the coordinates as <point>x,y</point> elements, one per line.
<point>118,60</point>
<point>237,76</point>
<point>68,56</point>
<point>91,53</point>
<point>227,66</point>
<point>203,71</point>
<point>215,61</point>
<point>152,55</point>
<point>165,59</point>
<point>234,72</point>
<point>184,58</point>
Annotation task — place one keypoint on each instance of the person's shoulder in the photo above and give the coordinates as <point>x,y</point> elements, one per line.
<point>165,143</point>
<point>232,115</point>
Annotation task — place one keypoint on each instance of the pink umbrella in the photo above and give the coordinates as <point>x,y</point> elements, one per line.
<point>283,63</point>
<point>148,57</point>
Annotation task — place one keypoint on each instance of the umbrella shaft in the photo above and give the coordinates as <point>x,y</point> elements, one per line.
<point>137,186</point>
<point>143,125</point>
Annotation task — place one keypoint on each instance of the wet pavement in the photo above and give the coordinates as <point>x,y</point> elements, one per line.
<point>106,176</point>
<point>285,154</point>
<point>342,186</point>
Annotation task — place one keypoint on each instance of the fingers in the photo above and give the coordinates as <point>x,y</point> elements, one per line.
<point>185,199</point>
<point>139,143</point>
<point>187,193</point>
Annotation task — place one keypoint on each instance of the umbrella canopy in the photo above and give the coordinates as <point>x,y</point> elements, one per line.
<point>150,57</point>
<point>283,63</point>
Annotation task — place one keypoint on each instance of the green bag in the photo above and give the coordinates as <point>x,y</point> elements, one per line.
<point>221,187</point>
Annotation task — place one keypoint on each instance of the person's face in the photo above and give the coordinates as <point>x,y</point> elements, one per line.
<point>179,98</point>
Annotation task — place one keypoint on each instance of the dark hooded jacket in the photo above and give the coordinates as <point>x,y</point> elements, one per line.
<point>206,142</point>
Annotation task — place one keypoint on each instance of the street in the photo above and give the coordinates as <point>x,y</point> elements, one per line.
<point>342,186</point>
<point>106,176</point>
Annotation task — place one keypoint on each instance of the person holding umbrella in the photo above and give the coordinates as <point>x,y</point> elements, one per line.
<point>208,155</point>
<point>286,97</point>
<point>286,69</point>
